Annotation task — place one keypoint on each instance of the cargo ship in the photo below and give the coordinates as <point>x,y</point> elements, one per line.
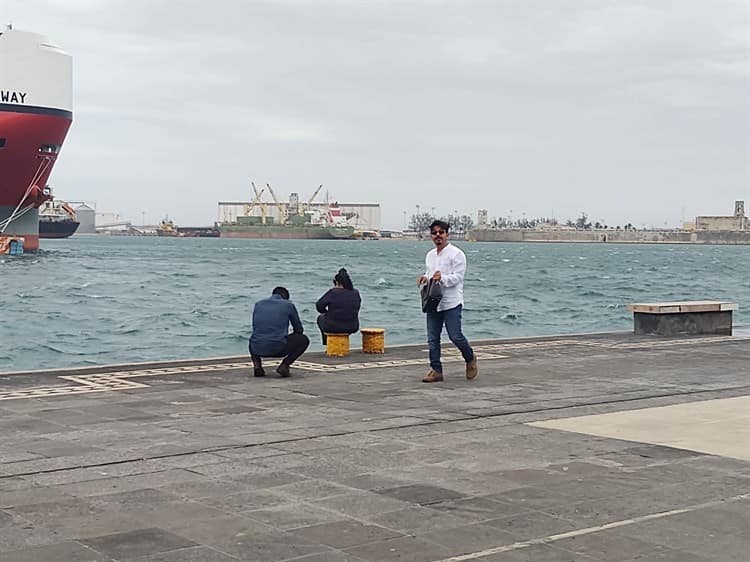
<point>36,101</point>
<point>57,220</point>
<point>295,220</point>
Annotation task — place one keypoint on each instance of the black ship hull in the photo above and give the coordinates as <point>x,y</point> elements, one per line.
<point>57,229</point>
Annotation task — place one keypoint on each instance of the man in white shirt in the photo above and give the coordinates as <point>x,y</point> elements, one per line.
<point>447,265</point>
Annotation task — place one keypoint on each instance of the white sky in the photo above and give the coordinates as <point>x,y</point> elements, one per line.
<point>630,110</point>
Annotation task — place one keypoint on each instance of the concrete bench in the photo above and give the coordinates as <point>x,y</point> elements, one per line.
<point>679,318</point>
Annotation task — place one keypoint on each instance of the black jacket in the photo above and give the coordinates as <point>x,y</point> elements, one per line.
<point>340,310</point>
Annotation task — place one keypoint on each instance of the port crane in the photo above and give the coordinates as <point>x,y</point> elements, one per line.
<point>259,202</point>
<point>279,205</point>
<point>306,206</point>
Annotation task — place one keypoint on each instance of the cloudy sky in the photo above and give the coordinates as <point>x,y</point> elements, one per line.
<point>630,110</point>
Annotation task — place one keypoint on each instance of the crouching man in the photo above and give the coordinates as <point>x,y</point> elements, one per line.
<point>271,338</point>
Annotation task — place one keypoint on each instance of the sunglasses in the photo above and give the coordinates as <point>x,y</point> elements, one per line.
<point>436,232</point>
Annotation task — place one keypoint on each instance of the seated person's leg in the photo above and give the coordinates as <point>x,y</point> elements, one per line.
<point>321,325</point>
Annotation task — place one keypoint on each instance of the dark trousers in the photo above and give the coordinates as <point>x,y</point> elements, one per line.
<point>296,344</point>
<point>452,320</point>
<point>323,326</point>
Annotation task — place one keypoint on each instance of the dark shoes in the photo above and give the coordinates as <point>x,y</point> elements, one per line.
<point>471,369</point>
<point>283,370</point>
<point>259,372</point>
<point>433,376</point>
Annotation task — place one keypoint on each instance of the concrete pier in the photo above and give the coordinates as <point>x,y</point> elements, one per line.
<point>594,447</point>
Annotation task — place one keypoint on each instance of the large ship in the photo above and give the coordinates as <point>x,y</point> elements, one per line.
<point>36,101</point>
<point>57,219</point>
<point>293,220</point>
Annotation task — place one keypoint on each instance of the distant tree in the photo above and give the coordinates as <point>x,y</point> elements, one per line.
<point>582,222</point>
<point>420,223</point>
<point>465,223</point>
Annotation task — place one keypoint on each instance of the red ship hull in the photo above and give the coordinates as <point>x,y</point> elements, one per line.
<point>30,140</point>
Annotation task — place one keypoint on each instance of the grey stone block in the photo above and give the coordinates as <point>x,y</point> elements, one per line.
<point>137,543</point>
<point>344,534</point>
<point>67,551</point>
<point>683,323</point>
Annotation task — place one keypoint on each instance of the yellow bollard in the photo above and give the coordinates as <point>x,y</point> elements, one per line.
<point>338,345</point>
<point>373,340</point>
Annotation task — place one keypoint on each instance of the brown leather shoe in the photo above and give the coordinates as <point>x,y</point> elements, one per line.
<point>471,369</point>
<point>433,376</point>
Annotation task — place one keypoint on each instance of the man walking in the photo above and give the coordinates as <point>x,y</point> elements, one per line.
<point>446,264</point>
<point>271,338</point>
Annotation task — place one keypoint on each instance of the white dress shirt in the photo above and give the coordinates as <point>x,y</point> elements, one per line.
<point>451,263</point>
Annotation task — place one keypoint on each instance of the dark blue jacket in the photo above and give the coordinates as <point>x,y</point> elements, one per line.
<point>271,319</point>
<point>340,310</point>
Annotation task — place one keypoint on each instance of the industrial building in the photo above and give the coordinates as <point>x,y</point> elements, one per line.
<point>736,222</point>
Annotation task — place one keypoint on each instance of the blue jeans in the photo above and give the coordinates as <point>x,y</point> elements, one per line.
<point>452,320</point>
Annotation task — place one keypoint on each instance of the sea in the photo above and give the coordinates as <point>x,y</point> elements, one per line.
<point>96,300</point>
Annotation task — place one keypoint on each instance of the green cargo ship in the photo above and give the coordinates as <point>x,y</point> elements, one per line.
<point>296,227</point>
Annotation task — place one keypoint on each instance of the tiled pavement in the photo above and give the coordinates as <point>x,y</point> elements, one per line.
<point>354,459</point>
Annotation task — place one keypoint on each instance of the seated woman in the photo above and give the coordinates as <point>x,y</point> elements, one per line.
<point>339,307</point>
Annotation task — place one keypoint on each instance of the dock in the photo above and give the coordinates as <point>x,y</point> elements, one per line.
<point>585,447</point>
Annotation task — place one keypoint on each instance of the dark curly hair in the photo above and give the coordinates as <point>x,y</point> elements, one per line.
<point>343,279</point>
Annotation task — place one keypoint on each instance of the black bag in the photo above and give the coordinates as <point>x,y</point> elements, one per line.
<point>431,293</point>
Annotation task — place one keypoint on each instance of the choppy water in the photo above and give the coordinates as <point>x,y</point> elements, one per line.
<point>99,300</point>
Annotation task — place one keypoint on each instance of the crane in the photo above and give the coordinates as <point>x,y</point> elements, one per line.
<point>280,206</point>
<point>257,200</point>
<point>306,206</point>
<point>250,206</point>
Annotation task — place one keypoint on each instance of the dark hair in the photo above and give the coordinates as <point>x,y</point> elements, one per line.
<point>282,292</point>
<point>343,279</point>
<point>442,224</point>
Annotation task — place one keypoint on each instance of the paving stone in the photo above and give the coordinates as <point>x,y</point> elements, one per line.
<point>67,551</point>
<point>362,504</point>
<point>311,489</point>
<point>718,519</point>
<point>404,549</point>
<point>137,543</point>
<point>204,489</point>
<point>220,529</point>
<point>416,520</point>
<point>291,516</point>
<point>421,494</point>
<point>245,501</point>
<point>533,497</point>
<point>31,496</point>
<point>268,547</point>
<point>330,556</point>
<point>343,534</point>
<point>536,553</point>
<point>668,555</point>
<point>698,541</point>
<point>469,538</point>
<point>479,508</point>
<point>263,478</point>
<point>608,545</point>
<point>193,554</point>
<point>39,512</point>
<point>370,481</point>
<point>531,525</point>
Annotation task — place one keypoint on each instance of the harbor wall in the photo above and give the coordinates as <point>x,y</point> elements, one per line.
<point>612,236</point>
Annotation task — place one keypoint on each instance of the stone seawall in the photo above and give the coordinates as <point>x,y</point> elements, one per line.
<point>613,236</point>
